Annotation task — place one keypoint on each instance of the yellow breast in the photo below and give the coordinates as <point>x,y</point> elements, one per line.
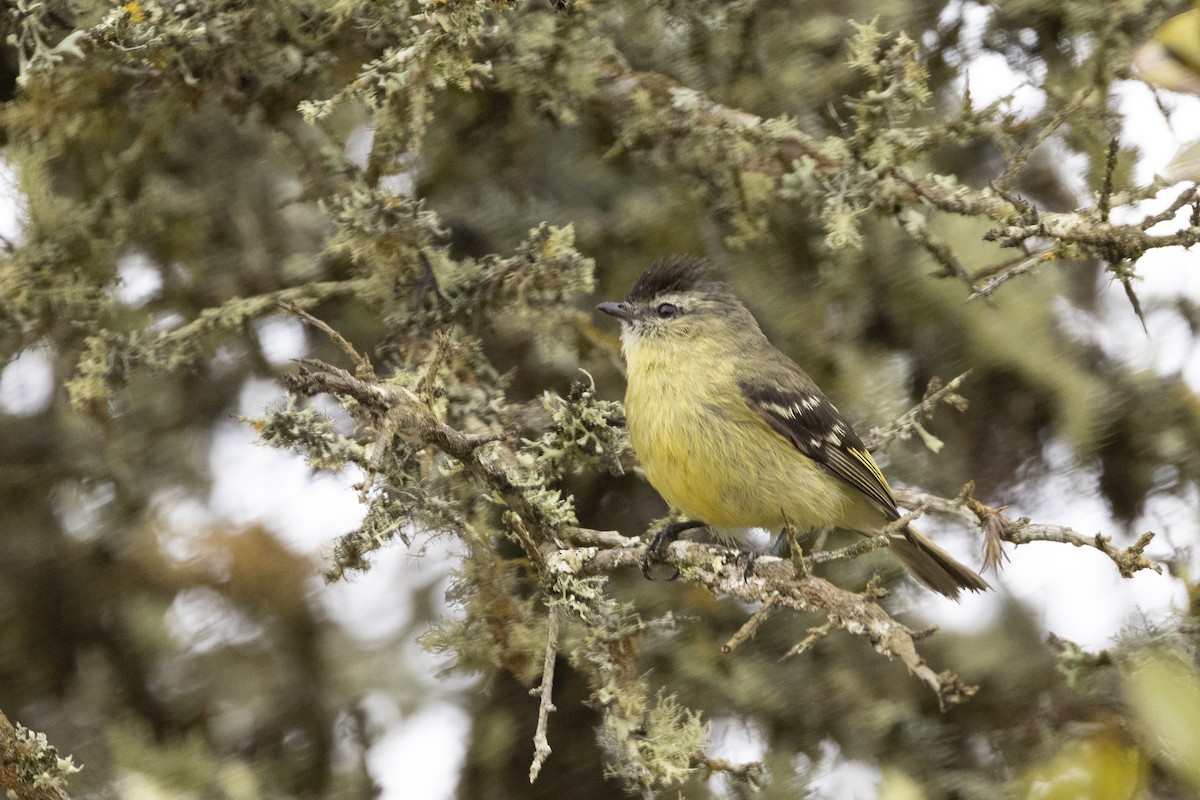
<point>711,457</point>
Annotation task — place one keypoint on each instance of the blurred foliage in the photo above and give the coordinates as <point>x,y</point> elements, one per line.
<point>446,186</point>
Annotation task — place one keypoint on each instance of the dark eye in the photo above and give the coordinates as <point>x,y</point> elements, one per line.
<point>667,310</point>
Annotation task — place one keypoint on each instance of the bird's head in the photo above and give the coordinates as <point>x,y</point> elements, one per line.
<point>674,303</point>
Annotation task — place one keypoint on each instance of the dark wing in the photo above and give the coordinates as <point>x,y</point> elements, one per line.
<point>806,418</point>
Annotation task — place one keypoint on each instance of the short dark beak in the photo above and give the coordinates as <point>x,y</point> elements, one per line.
<point>618,310</point>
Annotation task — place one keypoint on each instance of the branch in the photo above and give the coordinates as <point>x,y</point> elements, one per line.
<point>541,745</point>
<point>750,627</point>
<point>241,309</point>
<point>717,571</point>
<point>994,524</point>
<point>815,635</point>
<point>30,768</point>
<point>712,140</point>
<point>750,772</point>
<point>903,426</point>
<point>560,552</point>
<point>1009,272</point>
<point>362,364</point>
<point>416,421</point>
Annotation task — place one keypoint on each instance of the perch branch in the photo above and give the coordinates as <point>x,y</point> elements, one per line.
<point>717,570</point>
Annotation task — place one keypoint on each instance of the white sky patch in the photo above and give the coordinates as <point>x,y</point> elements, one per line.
<point>423,755</point>
<point>835,777</point>
<point>367,605</point>
<point>1158,138</point>
<point>138,281</point>
<point>988,75</point>
<point>202,620</point>
<point>12,214</point>
<point>281,338</point>
<point>358,149</point>
<point>738,741</point>
<point>166,322</point>
<point>358,145</point>
<point>255,483</point>
<point>27,383</point>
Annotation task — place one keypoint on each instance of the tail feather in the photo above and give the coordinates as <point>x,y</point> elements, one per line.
<point>933,566</point>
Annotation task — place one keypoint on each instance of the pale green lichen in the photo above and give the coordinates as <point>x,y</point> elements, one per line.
<point>40,764</point>
<point>658,750</point>
<point>586,431</point>
<point>308,431</point>
<point>33,32</point>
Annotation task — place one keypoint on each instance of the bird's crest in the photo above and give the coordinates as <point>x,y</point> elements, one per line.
<point>670,274</point>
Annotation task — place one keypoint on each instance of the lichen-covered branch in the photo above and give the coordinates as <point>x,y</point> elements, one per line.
<point>30,767</point>
<point>545,694</point>
<point>759,161</point>
<point>993,524</point>
<point>718,570</point>
<point>903,426</point>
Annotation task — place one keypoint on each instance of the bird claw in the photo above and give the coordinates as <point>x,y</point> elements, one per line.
<point>751,560</point>
<point>656,551</point>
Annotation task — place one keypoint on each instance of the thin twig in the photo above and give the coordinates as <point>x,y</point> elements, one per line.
<point>850,551</point>
<point>426,385</point>
<point>362,365</point>
<point>815,634</point>
<point>881,539</point>
<point>997,267</point>
<point>1106,190</point>
<point>1186,197</point>
<point>541,745</point>
<point>1016,163</point>
<point>902,427</point>
<point>1132,297</point>
<point>750,772</point>
<point>1028,265</point>
<point>750,627</point>
<point>603,539</point>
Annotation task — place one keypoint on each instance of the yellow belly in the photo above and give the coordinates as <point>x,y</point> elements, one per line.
<point>716,461</point>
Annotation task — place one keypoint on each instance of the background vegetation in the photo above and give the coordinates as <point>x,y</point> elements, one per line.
<point>439,192</point>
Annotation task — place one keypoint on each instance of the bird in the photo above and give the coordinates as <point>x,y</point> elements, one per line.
<point>1171,59</point>
<point>735,436</point>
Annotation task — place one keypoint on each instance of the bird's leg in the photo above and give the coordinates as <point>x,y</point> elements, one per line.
<point>428,284</point>
<point>779,548</point>
<point>656,551</point>
<point>784,546</point>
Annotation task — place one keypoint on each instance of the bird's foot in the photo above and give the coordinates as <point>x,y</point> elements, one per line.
<point>656,551</point>
<point>751,560</point>
<point>781,547</point>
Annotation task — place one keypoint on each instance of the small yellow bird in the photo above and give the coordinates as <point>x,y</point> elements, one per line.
<point>735,436</point>
<point>1171,58</point>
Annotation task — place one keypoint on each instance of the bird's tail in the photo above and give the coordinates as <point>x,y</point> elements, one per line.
<point>933,566</point>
